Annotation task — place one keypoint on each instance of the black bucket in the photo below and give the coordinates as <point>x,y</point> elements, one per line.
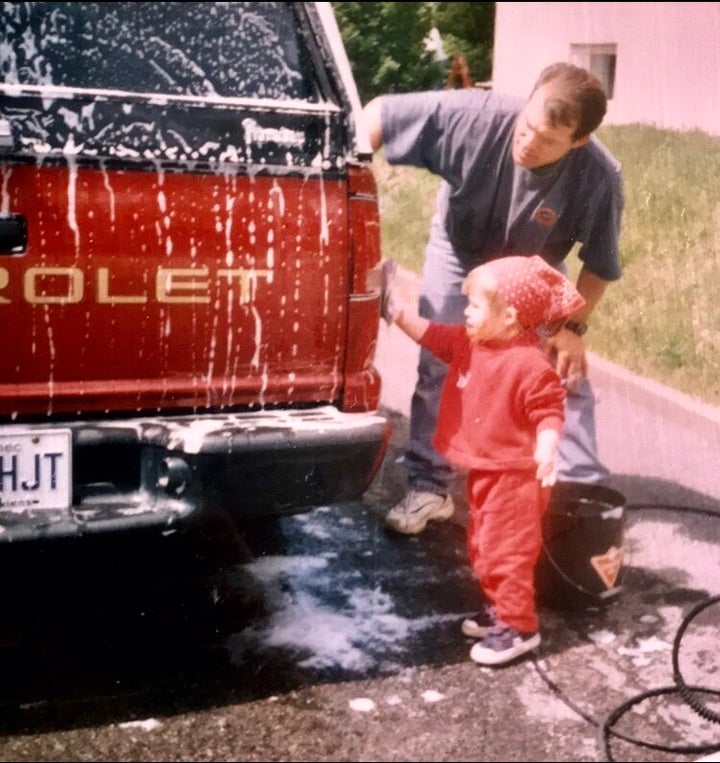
<point>580,564</point>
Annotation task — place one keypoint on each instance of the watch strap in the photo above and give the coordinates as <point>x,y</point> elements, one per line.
<point>577,327</point>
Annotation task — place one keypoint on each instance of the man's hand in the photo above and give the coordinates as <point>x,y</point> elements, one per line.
<point>567,351</point>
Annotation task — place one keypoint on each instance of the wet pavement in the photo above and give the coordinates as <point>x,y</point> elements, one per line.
<point>339,640</point>
<point>326,637</point>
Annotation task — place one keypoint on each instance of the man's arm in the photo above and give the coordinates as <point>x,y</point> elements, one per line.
<point>591,288</point>
<point>373,123</point>
<point>567,347</point>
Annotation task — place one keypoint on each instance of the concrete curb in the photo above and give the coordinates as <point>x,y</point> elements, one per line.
<point>649,429</point>
<point>671,399</point>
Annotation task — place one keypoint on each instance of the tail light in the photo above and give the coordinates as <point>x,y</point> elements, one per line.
<point>362,381</point>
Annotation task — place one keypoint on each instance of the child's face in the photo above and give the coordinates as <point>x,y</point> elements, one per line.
<point>486,314</point>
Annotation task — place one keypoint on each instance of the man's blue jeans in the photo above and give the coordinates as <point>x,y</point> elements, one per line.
<point>441,300</point>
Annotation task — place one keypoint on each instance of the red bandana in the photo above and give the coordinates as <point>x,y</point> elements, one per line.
<point>540,293</point>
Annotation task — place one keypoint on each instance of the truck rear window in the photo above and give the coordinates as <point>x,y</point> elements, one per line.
<point>207,49</point>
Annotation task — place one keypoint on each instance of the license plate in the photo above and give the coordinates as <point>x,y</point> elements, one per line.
<point>35,470</point>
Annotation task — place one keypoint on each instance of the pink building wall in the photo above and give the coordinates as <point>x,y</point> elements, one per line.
<point>668,55</point>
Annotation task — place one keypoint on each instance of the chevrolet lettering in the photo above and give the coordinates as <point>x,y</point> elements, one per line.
<point>191,285</point>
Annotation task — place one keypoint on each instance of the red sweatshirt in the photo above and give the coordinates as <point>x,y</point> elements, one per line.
<point>497,396</point>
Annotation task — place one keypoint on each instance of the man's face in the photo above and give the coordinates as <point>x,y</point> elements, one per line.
<point>536,143</point>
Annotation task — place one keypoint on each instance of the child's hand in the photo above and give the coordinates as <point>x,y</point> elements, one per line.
<point>546,457</point>
<point>395,307</point>
<point>388,309</point>
<point>547,474</point>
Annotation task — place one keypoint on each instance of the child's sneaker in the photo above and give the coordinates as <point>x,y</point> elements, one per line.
<point>503,644</point>
<point>480,624</point>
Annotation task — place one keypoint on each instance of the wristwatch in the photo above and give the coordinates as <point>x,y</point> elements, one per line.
<point>576,327</point>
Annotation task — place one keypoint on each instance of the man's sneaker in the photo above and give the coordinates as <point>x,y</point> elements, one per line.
<point>415,510</point>
<point>503,644</point>
<point>480,624</point>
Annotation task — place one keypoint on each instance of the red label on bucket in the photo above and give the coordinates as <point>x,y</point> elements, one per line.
<point>608,565</point>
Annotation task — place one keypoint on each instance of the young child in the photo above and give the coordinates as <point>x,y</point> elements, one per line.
<point>500,417</point>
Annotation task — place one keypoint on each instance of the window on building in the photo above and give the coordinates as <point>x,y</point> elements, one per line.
<point>598,59</point>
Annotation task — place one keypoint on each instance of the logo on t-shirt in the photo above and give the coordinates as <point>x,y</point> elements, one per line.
<point>545,216</point>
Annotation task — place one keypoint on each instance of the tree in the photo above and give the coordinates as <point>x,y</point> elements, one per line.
<point>467,29</point>
<point>385,43</point>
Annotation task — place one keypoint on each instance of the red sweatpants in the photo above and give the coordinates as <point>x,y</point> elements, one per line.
<point>505,539</point>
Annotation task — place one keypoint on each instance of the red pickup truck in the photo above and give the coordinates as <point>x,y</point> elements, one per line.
<point>189,266</point>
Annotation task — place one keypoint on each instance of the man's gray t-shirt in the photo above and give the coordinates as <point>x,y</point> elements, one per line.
<point>488,206</point>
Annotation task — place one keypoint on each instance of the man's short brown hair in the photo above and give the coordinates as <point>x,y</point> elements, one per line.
<point>578,98</point>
